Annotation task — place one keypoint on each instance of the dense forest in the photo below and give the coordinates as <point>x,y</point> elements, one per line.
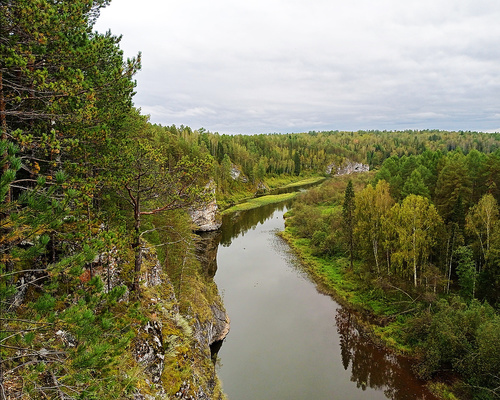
<point>419,239</point>
<point>91,192</point>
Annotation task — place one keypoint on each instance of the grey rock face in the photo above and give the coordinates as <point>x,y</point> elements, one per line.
<point>206,217</point>
<point>213,330</point>
<point>347,168</point>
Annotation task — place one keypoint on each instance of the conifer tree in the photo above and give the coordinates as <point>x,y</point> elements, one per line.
<point>348,209</point>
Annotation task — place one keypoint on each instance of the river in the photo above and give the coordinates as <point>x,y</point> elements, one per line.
<point>287,340</point>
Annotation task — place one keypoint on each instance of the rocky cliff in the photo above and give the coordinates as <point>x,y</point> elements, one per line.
<point>216,327</point>
<point>206,217</point>
<point>173,347</point>
<point>346,168</point>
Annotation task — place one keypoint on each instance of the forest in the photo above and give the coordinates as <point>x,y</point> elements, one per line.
<point>90,190</point>
<point>415,245</point>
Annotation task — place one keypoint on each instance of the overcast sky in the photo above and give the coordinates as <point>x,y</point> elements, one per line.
<point>261,66</point>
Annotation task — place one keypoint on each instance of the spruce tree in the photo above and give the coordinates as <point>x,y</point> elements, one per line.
<point>348,218</point>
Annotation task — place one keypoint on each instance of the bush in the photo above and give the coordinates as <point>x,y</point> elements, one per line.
<point>464,338</point>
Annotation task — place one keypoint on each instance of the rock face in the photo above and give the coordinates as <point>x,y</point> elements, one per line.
<point>237,174</point>
<point>150,350</point>
<point>261,188</point>
<point>206,217</point>
<point>168,335</point>
<point>214,329</point>
<point>207,245</point>
<point>347,168</point>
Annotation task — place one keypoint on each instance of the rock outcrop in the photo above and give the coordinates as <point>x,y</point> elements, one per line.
<point>206,217</point>
<point>237,174</point>
<point>216,327</point>
<point>213,329</point>
<point>170,338</point>
<point>346,168</point>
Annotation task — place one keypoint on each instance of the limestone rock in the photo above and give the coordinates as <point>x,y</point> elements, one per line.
<point>346,168</point>
<point>237,174</point>
<point>214,329</point>
<point>150,351</point>
<point>206,217</point>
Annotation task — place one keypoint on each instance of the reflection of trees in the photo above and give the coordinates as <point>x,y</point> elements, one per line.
<point>375,367</point>
<point>207,244</point>
<point>241,222</point>
<point>232,226</point>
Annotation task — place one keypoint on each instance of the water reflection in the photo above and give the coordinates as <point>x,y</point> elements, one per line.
<point>207,244</point>
<point>375,372</point>
<point>374,367</point>
<point>241,222</point>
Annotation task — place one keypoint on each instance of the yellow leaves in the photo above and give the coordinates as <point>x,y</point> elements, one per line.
<point>36,168</point>
<point>42,39</point>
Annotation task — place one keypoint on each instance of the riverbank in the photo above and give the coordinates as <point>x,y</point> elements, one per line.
<point>334,279</point>
<point>263,283</point>
<point>374,312</point>
<point>259,202</point>
<point>243,194</point>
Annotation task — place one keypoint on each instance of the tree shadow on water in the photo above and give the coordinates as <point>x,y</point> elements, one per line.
<point>375,367</point>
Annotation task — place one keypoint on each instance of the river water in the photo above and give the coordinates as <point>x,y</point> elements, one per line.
<point>287,340</point>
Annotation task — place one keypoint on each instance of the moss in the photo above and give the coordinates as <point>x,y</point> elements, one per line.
<point>442,391</point>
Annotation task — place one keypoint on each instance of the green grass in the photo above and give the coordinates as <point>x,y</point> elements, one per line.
<point>308,181</point>
<point>260,201</point>
<point>240,193</point>
<point>286,181</point>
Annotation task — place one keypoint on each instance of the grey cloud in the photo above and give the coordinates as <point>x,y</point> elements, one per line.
<point>277,65</point>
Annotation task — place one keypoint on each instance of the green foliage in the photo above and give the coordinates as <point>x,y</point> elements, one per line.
<point>348,218</point>
<point>428,246</point>
<point>85,179</point>
<point>465,338</point>
<point>466,271</point>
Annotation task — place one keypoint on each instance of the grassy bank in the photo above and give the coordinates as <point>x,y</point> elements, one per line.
<point>273,183</point>
<point>351,289</point>
<point>291,181</point>
<point>260,201</point>
<point>241,192</point>
<point>379,312</point>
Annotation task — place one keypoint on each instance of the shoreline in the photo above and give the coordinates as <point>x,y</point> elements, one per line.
<point>366,319</point>
<point>255,202</point>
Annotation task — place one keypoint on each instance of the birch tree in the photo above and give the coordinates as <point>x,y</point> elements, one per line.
<point>372,205</point>
<point>417,221</point>
<point>480,222</point>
